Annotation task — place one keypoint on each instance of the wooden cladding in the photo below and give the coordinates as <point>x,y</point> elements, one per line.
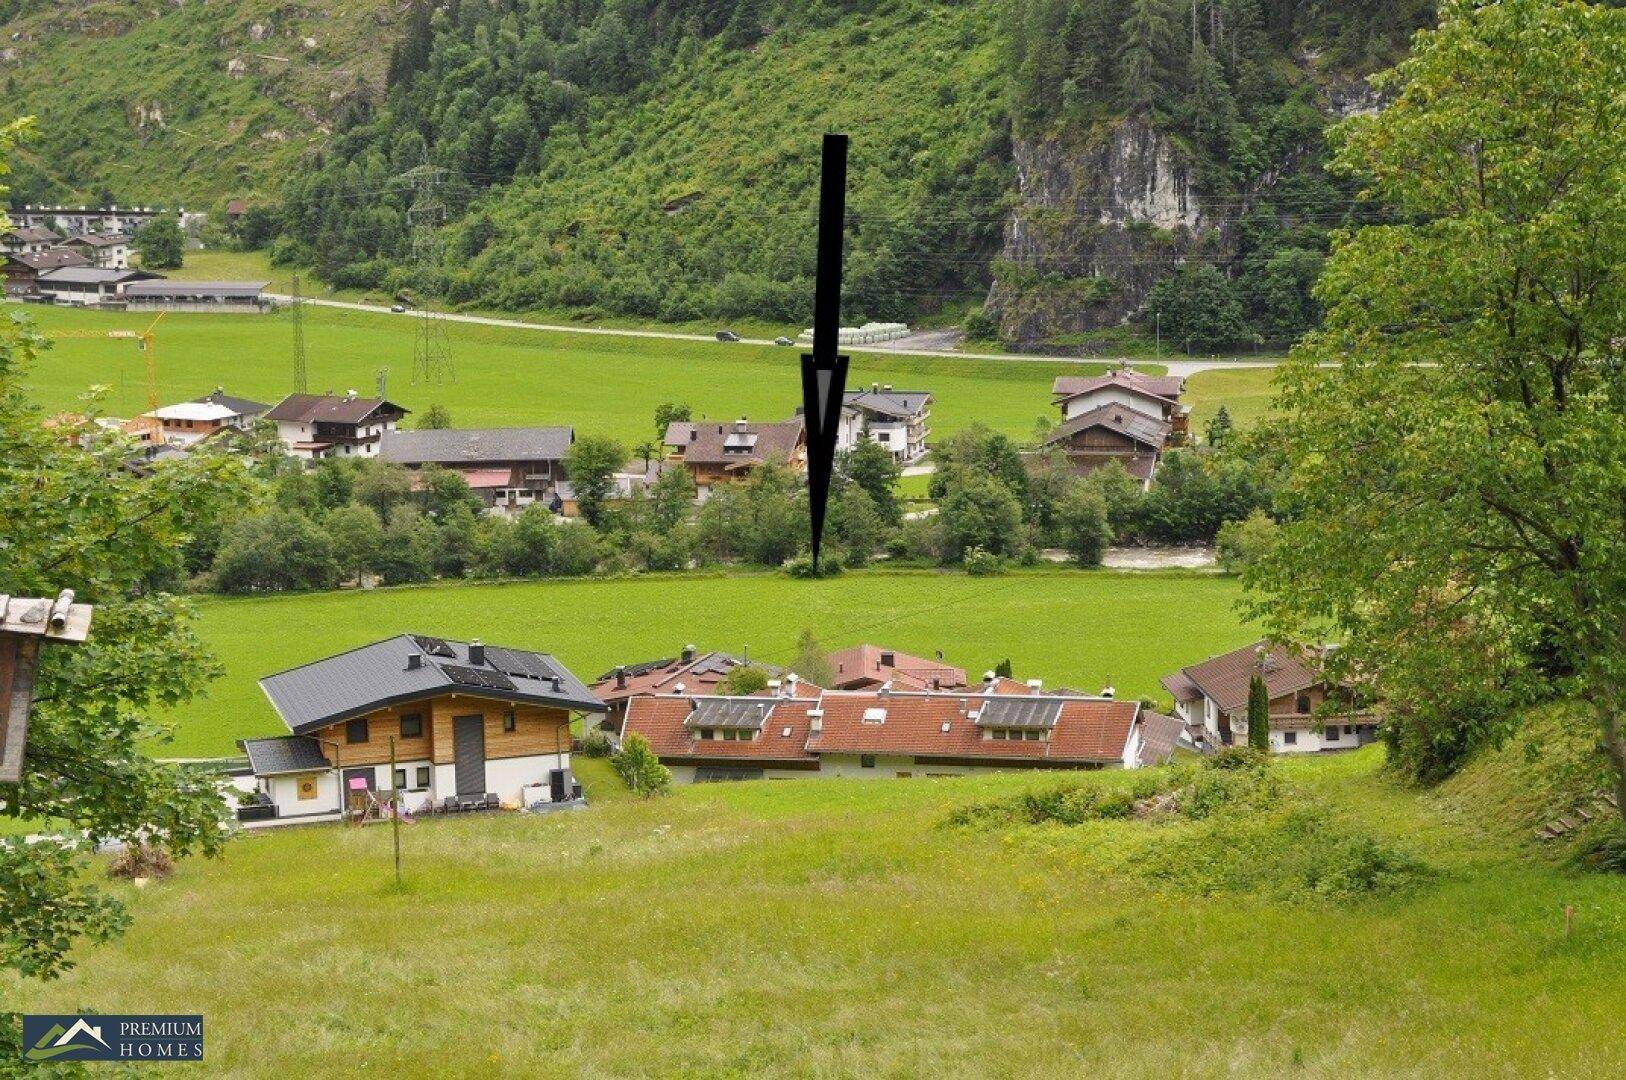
<point>536,730</point>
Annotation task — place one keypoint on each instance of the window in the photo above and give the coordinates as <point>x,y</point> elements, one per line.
<point>1290,738</point>
<point>400,779</point>
<point>355,731</point>
<point>866,761</point>
<point>1302,704</point>
<point>508,720</point>
<point>423,778</point>
<point>411,725</point>
<point>708,734</point>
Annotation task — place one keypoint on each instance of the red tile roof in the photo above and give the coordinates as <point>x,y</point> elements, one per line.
<point>1086,729</point>
<point>699,675</point>
<point>660,720</point>
<point>863,666</point>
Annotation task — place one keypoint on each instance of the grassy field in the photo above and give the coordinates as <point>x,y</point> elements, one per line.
<point>1245,393</point>
<point>506,376</point>
<point>836,928</point>
<point>1059,625</point>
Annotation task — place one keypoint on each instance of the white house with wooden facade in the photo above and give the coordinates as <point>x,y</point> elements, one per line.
<point>465,726</point>
<point>1306,713</point>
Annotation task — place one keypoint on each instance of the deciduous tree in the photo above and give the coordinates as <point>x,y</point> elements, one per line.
<point>1461,527</point>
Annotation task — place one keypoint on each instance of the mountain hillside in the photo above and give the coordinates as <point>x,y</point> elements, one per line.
<point>182,101</point>
<point>1059,166</point>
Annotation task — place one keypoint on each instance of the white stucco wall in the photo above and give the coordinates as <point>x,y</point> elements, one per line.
<point>1111,395</point>
<point>284,792</point>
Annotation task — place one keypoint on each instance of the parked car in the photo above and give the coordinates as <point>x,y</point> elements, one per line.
<point>398,308</point>
<point>782,340</point>
<point>727,335</point>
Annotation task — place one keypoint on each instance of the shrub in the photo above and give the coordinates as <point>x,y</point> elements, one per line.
<point>1298,850</point>
<point>595,744</point>
<point>980,562</point>
<point>830,564</point>
<point>639,768</point>
<point>141,861</point>
<point>1604,849</point>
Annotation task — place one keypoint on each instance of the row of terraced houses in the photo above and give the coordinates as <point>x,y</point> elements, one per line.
<point>448,725</point>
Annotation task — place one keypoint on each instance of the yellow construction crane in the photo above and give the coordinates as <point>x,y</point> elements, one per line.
<point>146,341</point>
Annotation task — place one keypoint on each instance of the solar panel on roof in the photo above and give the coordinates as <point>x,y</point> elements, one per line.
<point>435,646</point>
<point>729,713</point>
<point>1026,712</point>
<point>525,665</point>
<point>468,676</point>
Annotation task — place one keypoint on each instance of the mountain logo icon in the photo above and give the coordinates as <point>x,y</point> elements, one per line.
<point>82,1036</point>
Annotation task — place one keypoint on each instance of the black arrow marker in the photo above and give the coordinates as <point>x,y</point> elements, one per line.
<point>824,373</point>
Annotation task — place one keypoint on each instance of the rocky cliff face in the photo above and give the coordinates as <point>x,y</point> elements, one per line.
<point>1095,227</point>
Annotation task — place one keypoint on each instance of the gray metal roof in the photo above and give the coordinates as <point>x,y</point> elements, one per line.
<point>167,289</point>
<point>284,754</point>
<point>352,683</point>
<point>1019,712</point>
<point>745,714</point>
<point>92,275</point>
<point>1144,429</point>
<point>899,403</point>
<point>475,446</point>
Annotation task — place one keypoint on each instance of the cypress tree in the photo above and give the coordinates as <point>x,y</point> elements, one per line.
<point>1258,714</point>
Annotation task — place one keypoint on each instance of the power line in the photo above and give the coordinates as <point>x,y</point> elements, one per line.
<point>431,352</point>
<point>298,320</point>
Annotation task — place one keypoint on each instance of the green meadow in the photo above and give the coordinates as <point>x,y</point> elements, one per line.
<point>839,928</point>
<point>599,384</point>
<point>1083,629</point>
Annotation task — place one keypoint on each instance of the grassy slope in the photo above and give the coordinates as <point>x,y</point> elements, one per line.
<point>84,68</point>
<point>1062,626</point>
<point>1550,767</point>
<point>832,928</point>
<point>507,376</point>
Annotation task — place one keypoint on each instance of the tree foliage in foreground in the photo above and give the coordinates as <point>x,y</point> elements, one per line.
<point>1462,527</point>
<point>78,517</point>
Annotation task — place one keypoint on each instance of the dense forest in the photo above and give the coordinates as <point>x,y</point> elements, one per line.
<point>654,158</point>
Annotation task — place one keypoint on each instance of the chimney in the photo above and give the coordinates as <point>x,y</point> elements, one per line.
<point>349,395</point>
<point>1108,691</point>
<point>414,661</point>
<point>887,388</point>
<point>694,433</point>
<point>678,689</point>
<point>791,680</point>
<point>558,684</point>
<point>889,659</point>
<point>620,678</point>
<point>989,678</point>
<point>741,424</point>
<point>774,685</point>
<point>815,721</point>
<point>477,652</point>
<point>875,388</point>
<point>1035,685</point>
<point>688,654</point>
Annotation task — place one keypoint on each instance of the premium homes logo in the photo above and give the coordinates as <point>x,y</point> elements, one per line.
<point>112,1038</point>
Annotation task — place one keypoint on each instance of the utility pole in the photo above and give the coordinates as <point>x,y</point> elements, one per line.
<point>298,304</point>
<point>431,355</point>
<point>395,813</point>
